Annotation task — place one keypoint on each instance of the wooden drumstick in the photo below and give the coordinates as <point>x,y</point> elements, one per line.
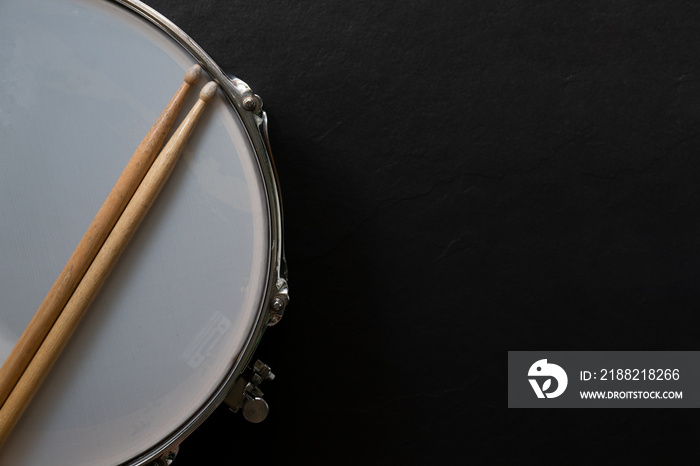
<point>93,239</point>
<point>105,259</point>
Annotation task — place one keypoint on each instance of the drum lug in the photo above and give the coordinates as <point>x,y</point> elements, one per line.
<point>247,99</point>
<point>167,459</point>
<point>252,103</point>
<point>246,393</point>
<point>278,303</point>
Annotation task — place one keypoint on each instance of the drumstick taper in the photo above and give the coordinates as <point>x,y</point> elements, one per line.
<point>93,239</point>
<point>105,259</point>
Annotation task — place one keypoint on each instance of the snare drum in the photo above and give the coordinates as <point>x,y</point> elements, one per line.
<point>176,323</point>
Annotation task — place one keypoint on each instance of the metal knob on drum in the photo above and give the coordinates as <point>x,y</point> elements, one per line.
<point>170,333</point>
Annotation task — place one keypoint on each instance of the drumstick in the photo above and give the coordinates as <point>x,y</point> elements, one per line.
<point>105,259</point>
<point>91,242</point>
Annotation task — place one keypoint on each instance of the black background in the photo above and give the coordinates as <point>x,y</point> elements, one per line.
<point>461,179</point>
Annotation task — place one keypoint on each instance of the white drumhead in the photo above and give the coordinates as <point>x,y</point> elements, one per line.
<point>81,82</point>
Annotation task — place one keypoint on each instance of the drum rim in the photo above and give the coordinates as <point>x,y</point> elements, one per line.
<point>248,106</point>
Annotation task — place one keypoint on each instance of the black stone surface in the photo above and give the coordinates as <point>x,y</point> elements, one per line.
<point>461,179</point>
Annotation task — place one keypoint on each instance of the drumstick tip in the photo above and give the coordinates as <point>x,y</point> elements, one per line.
<point>193,74</point>
<point>208,91</point>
